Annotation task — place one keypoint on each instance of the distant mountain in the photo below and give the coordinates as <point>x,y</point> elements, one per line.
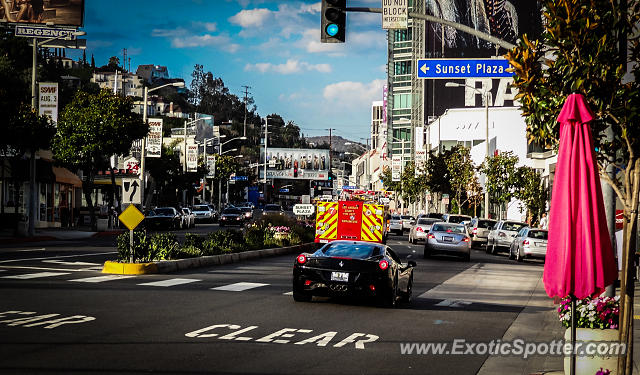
<point>337,143</point>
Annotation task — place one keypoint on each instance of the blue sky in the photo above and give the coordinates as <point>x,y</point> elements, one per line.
<point>272,46</point>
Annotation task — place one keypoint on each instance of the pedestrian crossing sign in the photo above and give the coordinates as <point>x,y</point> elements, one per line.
<point>131,217</point>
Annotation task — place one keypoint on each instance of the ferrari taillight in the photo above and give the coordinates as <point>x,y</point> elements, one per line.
<point>383,264</point>
<point>302,259</point>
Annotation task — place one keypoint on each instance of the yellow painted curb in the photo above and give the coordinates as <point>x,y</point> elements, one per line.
<point>129,268</point>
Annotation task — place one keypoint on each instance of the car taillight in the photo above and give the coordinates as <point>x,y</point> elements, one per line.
<point>466,239</point>
<point>431,236</point>
<point>307,282</point>
<point>302,259</point>
<point>525,242</point>
<point>383,264</point>
<point>475,230</point>
<point>418,229</point>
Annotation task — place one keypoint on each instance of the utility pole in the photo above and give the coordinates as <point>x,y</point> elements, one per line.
<point>266,133</point>
<point>246,93</point>
<point>330,147</point>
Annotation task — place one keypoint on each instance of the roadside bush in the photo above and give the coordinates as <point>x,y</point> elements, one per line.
<point>224,241</point>
<point>141,246</point>
<point>189,251</point>
<point>254,237</point>
<point>164,246</point>
<point>192,239</point>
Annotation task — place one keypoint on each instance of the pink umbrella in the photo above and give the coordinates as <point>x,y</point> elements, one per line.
<point>579,261</point>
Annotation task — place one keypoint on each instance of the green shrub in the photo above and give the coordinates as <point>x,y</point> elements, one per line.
<point>189,251</point>
<point>225,241</point>
<point>254,237</point>
<point>164,246</point>
<point>192,239</point>
<point>141,247</point>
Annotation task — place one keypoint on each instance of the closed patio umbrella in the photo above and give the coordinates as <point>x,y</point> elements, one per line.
<point>579,261</point>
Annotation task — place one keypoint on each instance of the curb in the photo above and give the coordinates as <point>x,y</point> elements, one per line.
<point>168,266</point>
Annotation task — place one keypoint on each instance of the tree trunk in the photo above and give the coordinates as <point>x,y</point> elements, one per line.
<point>625,364</point>
<point>87,189</point>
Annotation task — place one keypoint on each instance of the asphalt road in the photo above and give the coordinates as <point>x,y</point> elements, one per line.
<point>59,314</point>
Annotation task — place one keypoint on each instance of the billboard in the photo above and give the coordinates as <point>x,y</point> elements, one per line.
<point>296,164</point>
<point>48,100</point>
<point>192,158</point>
<point>507,20</point>
<point>153,147</point>
<point>57,13</point>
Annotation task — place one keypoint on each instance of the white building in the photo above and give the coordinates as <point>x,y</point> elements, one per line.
<point>126,83</point>
<point>507,132</point>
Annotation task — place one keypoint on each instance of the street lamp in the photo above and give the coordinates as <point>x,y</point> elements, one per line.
<point>33,209</point>
<point>144,140</point>
<point>220,153</point>
<point>487,97</point>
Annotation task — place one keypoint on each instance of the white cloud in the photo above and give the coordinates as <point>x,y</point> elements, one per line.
<point>183,38</point>
<point>251,17</point>
<point>353,94</point>
<point>290,67</point>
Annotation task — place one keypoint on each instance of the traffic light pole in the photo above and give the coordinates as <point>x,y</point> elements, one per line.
<point>464,28</point>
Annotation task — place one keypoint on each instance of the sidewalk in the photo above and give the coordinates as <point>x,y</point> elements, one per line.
<point>538,322</point>
<point>55,234</point>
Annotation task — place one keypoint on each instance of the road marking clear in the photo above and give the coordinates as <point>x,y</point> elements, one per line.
<point>35,275</point>
<point>239,287</point>
<point>101,279</point>
<point>453,303</point>
<point>52,269</point>
<point>63,263</point>
<point>170,282</point>
<point>288,293</point>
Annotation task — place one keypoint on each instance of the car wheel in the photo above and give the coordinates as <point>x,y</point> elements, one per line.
<point>390,300</point>
<point>406,298</point>
<point>427,252</point>
<point>300,296</point>
<point>511,255</point>
<point>519,257</point>
<point>488,249</point>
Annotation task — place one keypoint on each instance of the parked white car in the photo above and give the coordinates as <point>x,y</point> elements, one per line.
<point>502,235</point>
<point>189,218</point>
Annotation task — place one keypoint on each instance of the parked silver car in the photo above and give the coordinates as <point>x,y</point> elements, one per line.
<point>502,234</point>
<point>407,222</point>
<point>448,238</point>
<point>395,224</point>
<point>529,243</point>
<point>480,229</point>
<point>419,230</point>
<point>203,213</point>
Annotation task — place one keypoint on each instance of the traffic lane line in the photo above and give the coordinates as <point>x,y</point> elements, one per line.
<point>56,257</point>
<point>37,275</point>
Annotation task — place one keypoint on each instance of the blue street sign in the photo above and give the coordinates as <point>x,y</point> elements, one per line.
<point>347,187</point>
<point>463,68</point>
<point>239,178</point>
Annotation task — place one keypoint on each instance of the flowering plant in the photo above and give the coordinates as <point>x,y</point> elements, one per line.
<point>600,312</point>
<point>280,229</point>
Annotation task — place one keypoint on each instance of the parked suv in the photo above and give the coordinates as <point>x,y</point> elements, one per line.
<point>502,234</point>
<point>480,229</point>
<point>457,219</point>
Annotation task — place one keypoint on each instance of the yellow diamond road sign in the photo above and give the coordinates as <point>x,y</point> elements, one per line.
<point>131,217</point>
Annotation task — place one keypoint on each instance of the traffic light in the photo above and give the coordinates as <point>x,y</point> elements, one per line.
<point>334,21</point>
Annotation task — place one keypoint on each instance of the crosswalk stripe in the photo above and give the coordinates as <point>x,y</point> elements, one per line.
<point>100,279</point>
<point>239,287</point>
<point>170,282</point>
<point>35,275</point>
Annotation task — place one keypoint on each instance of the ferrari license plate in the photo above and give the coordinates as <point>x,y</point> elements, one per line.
<point>339,276</point>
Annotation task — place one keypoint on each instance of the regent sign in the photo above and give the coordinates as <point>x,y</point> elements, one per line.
<point>293,336</point>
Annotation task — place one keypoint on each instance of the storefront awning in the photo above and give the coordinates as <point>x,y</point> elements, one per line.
<point>65,176</point>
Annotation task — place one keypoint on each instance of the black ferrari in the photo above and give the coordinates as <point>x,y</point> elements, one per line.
<point>354,269</point>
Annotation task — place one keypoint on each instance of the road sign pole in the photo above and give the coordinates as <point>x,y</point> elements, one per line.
<point>130,245</point>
